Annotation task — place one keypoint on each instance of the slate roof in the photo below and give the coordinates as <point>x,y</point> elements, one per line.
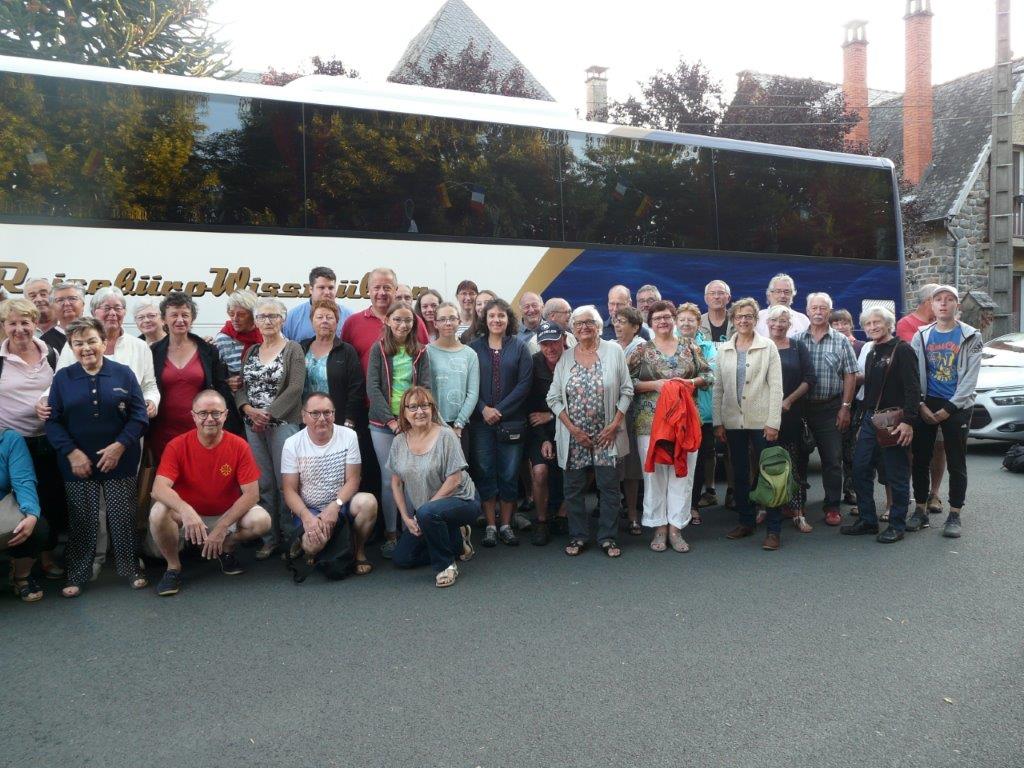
<point>962,114</point>
<point>451,30</point>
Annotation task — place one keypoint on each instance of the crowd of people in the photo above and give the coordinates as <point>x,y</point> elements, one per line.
<point>291,431</point>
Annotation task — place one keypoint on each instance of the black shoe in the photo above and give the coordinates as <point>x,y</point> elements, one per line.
<point>889,536</point>
<point>951,528</point>
<point>918,521</point>
<point>859,528</point>
<point>540,536</point>
<point>508,536</point>
<point>229,564</point>
<point>169,584</point>
<point>526,505</point>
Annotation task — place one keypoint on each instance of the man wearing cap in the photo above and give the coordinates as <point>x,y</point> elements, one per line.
<point>545,475</point>
<point>949,358</point>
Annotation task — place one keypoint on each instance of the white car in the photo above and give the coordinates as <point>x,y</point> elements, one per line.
<point>999,409</point>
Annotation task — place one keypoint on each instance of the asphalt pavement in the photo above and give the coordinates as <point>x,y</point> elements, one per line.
<point>830,652</point>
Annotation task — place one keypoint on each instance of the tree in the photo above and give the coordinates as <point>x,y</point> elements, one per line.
<point>786,110</point>
<point>687,100</point>
<point>333,67</point>
<point>170,36</point>
<point>469,71</point>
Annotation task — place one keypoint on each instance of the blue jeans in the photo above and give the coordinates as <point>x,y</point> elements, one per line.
<point>382,438</point>
<point>897,475</point>
<point>440,541</point>
<point>740,442</point>
<point>495,465</point>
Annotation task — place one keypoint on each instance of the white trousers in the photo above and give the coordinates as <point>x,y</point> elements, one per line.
<point>666,497</point>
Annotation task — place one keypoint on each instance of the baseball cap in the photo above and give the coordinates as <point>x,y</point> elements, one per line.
<point>946,289</point>
<point>548,331</point>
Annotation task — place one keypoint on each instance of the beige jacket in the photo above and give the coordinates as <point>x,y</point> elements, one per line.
<point>762,387</point>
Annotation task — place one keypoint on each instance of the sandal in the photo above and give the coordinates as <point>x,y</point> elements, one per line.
<point>695,517</point>
<point>447,577</point>
<point>635,529</point>
<point>884,517</point>
<point>610,548</point>
<point>801,524</point>
<point>26,589</point>
<point>575,547</point>
<point>675,538</point>
<point>658,542</point>
<point>363,568</point>
<point>71,590</point>
<point>138,581</point>
<point>467,544</point>
<point>934,505</point>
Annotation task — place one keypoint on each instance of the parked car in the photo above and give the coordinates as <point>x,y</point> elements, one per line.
<point>999,409</point>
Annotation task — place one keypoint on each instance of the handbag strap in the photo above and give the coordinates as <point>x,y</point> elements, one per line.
<point>885,376</point>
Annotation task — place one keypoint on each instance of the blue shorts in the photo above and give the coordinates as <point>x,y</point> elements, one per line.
<point>346,509</point>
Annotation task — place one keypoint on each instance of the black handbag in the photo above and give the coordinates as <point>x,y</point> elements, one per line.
<point>512,432</point>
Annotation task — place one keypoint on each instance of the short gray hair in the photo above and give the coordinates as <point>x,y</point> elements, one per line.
<point>27,283</point>
<point>270,301</point>
<point>884,312</point>
<point>778,311</point>
<point>587,310</point>
<point>820,295</point>
<point>725,286</point>
<point>647,288</point>
<point>145,304</point>
<point>68,286</point>
<point>774,280</point>
<point>924,293</point>
<point>553,305</point>
<point>242,300</point>
<point>105,293</point>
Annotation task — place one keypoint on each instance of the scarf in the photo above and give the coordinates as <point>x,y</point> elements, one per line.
<point>245,338</point>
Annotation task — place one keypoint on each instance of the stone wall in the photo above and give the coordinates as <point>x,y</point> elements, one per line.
<point>931,260</point>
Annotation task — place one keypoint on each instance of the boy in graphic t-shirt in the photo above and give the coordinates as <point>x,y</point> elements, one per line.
<point>949,358</point>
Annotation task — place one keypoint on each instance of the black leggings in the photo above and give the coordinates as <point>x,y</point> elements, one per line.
<point>954,435</point>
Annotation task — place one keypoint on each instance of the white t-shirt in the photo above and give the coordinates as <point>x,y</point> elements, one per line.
<point>321,468</point>
<point>861,360</point>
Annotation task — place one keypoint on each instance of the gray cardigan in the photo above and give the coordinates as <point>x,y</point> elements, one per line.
<point>287,404</point>
<point>618,394</point>
<point>968,364</point>
<point>378,382</point>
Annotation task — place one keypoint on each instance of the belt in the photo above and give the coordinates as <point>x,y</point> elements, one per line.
<point>826,400</point>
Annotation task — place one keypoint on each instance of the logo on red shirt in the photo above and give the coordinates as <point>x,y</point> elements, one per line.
<point>225,469</point>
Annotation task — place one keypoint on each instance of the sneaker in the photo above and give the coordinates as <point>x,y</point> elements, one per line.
<point>387,549</point>
<point>918,521</point>
<point>229,564</point>
<point>708,499</point>
<point>520,521</point>
<point>541,536</point>
<point>832,516</point>
<point>889,536</point>
<point>951,528</point>
<point>169,584</point>
<point>508,536</point>
<point>730,499</point>
<point>490,538</point>
<point>467,543</point>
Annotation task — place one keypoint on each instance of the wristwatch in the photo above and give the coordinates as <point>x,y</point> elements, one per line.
<point>340,502</point>
<point>846,405</point>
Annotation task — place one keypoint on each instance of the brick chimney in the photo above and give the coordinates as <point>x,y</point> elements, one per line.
<point>597,94</point>
<point>855,81</point>
<point>917,97</point>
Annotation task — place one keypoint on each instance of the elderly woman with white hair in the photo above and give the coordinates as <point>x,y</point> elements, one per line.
<point>270,402</point>
<point>238,334</point>
<point>590,395</point>
<point>149,322</point>
<point>891,385</point>
<point>109,307</point>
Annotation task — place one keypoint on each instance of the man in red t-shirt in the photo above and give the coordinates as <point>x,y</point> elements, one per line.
<point>922,315</point>
<point>206,493</point>
<point>362,330</point>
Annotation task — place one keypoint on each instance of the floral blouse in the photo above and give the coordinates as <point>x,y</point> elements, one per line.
<point>262,381</point>
<point>646,363</point>
<point>584,400</point>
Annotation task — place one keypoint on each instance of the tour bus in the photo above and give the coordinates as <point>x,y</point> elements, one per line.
<point>154,182</point>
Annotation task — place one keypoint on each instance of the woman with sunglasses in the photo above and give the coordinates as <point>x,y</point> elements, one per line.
<point>428,471</point>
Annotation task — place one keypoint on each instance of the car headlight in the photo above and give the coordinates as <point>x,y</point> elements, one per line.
<point>1015,399</point>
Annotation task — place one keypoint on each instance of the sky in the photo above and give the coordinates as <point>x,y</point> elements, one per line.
<point>558,40</point>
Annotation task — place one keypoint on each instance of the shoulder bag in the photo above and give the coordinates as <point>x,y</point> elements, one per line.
<point>886,420</point>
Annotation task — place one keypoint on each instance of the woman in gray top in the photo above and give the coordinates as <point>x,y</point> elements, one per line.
<point>428,471</point>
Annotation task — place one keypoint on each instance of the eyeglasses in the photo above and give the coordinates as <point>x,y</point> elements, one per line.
<point>584,324</point>
<point>67,300</point>
<point>418,407</point>
<point>108,308</point>
<point>446,321</point>
<point>662,318</point>
<point>782,290</point>
<point>148,316</point>
<point>401,320</point>
<point>204,415</point>
<point>327,413</point>
<point>267,318</point>
<point>748,318</point>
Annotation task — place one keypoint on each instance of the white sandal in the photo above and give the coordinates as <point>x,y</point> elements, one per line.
<point>447,577</point>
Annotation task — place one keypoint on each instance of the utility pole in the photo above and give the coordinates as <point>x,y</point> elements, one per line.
<point>1001,177</point>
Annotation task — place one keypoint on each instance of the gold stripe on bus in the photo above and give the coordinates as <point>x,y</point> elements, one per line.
<point>551,265</point>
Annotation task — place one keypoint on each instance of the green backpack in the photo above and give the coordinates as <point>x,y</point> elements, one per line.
<point>775,482</point>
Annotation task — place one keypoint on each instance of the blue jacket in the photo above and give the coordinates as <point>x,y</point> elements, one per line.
<point>515,374</point>
<point>17,473</point>
<point>91,412</point>
<point>705,396</point>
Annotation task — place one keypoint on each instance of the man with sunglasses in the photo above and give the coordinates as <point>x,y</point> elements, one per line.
<point>206,493</point>
<point>320,472</point>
